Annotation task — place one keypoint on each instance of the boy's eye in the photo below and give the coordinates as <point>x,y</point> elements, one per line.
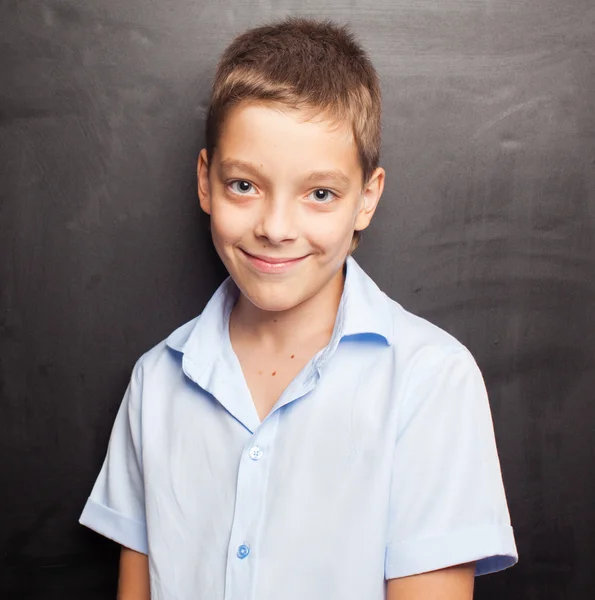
<point>240,186</point>
<point>322,195</point>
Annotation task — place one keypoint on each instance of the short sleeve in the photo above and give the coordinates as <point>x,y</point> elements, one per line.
<point>116,506</point>
<point>448,504</point>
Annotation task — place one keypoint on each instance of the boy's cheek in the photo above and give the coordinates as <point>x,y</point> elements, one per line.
<point>228,219</point>
<point>333,230</point>
<point>222,240</point>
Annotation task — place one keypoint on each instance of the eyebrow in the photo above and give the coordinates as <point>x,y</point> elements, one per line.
<point>230,164</point>
<point>336,176</point>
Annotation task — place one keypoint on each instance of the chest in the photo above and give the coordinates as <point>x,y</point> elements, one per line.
<point>246,513</point>
<point>290,495</point>
<point>277,509</point>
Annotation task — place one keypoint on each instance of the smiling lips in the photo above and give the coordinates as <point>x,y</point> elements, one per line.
<point>269,264</point>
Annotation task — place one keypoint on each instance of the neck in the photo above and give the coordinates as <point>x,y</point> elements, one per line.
<point>280,329</point>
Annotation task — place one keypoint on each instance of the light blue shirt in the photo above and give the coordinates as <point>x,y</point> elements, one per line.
<point>378,461</point>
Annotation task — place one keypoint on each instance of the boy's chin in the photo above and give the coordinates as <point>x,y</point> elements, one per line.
<point>278,302</point>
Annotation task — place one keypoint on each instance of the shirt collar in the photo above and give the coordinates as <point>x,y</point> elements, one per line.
<point>363,310</point>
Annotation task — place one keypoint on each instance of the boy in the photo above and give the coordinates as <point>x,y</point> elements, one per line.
<point>305,437</point>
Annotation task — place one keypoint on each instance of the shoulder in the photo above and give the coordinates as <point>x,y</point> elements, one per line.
<point>167,352</point>
<point>413,333</point>
<point>435,373</point>
<point>424,352</point>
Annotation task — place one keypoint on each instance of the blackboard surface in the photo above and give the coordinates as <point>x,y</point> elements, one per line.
<point>487,228</point>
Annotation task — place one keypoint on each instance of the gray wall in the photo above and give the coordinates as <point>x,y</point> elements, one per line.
<point>486,227</point>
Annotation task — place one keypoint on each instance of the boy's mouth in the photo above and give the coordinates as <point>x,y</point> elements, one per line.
<point>272,264</point>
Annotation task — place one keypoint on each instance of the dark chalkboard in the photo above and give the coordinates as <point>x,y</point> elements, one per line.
<point>487,227</point>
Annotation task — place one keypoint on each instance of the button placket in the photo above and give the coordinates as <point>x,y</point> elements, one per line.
<point>250,499</point>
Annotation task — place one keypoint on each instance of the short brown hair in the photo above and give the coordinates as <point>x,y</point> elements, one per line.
<point>307,64</point>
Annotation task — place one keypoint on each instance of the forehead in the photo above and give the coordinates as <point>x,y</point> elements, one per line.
<point>279,139</point>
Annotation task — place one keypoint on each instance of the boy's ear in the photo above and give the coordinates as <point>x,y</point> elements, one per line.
<point>204,187</point>
<point>370,198</point>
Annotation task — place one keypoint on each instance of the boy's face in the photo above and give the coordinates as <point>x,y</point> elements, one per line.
<point>285,196</point>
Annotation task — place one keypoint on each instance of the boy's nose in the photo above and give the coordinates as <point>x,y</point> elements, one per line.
<point>278,221</point>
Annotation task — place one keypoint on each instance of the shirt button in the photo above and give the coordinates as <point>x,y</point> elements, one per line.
<point>255,453</point>
<point>243,551</point>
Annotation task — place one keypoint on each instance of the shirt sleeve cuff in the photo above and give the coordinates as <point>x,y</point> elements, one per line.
<point>491,546</point>
<point>115,526</point>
